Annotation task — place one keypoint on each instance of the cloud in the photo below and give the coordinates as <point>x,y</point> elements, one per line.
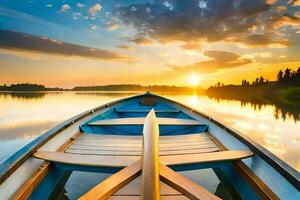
<point>141,41</point>
<point>65,7</point>
<point>12,40</point>
<point>262,41</point>
<point>94,27</point>
<point>258,55</point>
<point>194,21</point>
<point>80,5</point>
<point>95,8</point>
<point>192,46</point>
<point>295,2</point>
<point>270,2</point>
<point>113,27</point>
<point>217,60</point>
<point>125,47</point>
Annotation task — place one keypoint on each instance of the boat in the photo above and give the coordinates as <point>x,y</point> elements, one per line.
<point>145,143</point>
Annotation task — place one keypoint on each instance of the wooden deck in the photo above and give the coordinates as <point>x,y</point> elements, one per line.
<point>115,145</point>
<point>132,191</point>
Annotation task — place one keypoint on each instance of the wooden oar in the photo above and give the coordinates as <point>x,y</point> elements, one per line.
<point>184,185</point>
<point>115,182</point>
<point>150,174</point>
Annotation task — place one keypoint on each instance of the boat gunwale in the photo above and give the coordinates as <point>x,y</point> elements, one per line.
<point>14,161</point>
<point>281,166</point>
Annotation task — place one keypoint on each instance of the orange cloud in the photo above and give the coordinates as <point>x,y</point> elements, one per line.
<point>142,41</point>
<point>258,40</point>
<point>218,60</point>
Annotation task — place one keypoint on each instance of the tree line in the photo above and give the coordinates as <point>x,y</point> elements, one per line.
<point>27,87</point>
<point>284,77</point>
<point>117,87</point>
<point>289,76</point>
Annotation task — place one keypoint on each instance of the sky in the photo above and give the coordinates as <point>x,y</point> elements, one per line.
<point>68,43</point>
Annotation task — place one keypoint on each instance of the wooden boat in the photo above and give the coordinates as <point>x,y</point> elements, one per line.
<point>144,142</point>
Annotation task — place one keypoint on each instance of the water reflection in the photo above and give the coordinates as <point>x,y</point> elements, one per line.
<point>278,135</point>
<point>24,118</point>
<point>23,95</point>
<point>282,109</point>
<point>24,130</point>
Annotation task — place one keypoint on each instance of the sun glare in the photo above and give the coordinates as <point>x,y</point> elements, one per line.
<point>194,79</point>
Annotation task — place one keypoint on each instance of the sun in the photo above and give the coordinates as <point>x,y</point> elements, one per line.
<point>194,79</point>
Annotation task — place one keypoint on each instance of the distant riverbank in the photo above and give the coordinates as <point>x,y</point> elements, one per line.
<point>285,97</point>
<point>120,87</point>
<point>283,93</point>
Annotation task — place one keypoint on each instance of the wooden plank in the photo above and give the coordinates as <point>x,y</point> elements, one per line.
<point>150,189</point>
<point>140,121</point>
<point>135,141</point>
<point>139,147</point>
<point>184,185</point>
<point>145,111</point>
<point>221,156</point>
<point>127,138</point>
<point>112,184</point>
<point>121,161</point>
<point>139,153</point>
<point>89,136</point>
<point>138,142</point>
<point>124,144</point>
<point>86,160</point>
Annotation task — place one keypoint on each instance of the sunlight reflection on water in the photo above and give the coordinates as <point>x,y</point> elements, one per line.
<point>280,136</point>
<point>24,117</point>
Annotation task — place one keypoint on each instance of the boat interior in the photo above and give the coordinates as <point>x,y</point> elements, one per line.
<point>113,140</point>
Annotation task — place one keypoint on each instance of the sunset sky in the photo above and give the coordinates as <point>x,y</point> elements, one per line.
<point>67,43</point>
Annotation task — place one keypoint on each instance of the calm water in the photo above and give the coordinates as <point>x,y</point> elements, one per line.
<point>24,116</point>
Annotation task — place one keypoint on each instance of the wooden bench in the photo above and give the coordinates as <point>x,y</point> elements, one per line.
<point>141,120</point>
<point>123,161</point>
<point>145,111</point>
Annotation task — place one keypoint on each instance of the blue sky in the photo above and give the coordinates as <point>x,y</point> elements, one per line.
<point>168,39</point>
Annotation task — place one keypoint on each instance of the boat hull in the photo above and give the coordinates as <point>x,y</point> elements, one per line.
<point>263,171</point>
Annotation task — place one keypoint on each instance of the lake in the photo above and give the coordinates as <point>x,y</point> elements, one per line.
<point>24,116</point>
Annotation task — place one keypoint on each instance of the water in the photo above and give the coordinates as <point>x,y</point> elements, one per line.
<point>24,116</point>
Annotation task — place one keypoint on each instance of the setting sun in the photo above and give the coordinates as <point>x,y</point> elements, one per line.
<point>194,79</point>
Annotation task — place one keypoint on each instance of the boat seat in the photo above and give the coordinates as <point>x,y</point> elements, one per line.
<point>145,111</point>
<point>124,161</point>
<point>140,121</point>
<point>120,151</point>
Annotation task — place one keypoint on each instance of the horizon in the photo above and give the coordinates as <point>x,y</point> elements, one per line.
<point>171,42</point>
<point>195,86</point>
